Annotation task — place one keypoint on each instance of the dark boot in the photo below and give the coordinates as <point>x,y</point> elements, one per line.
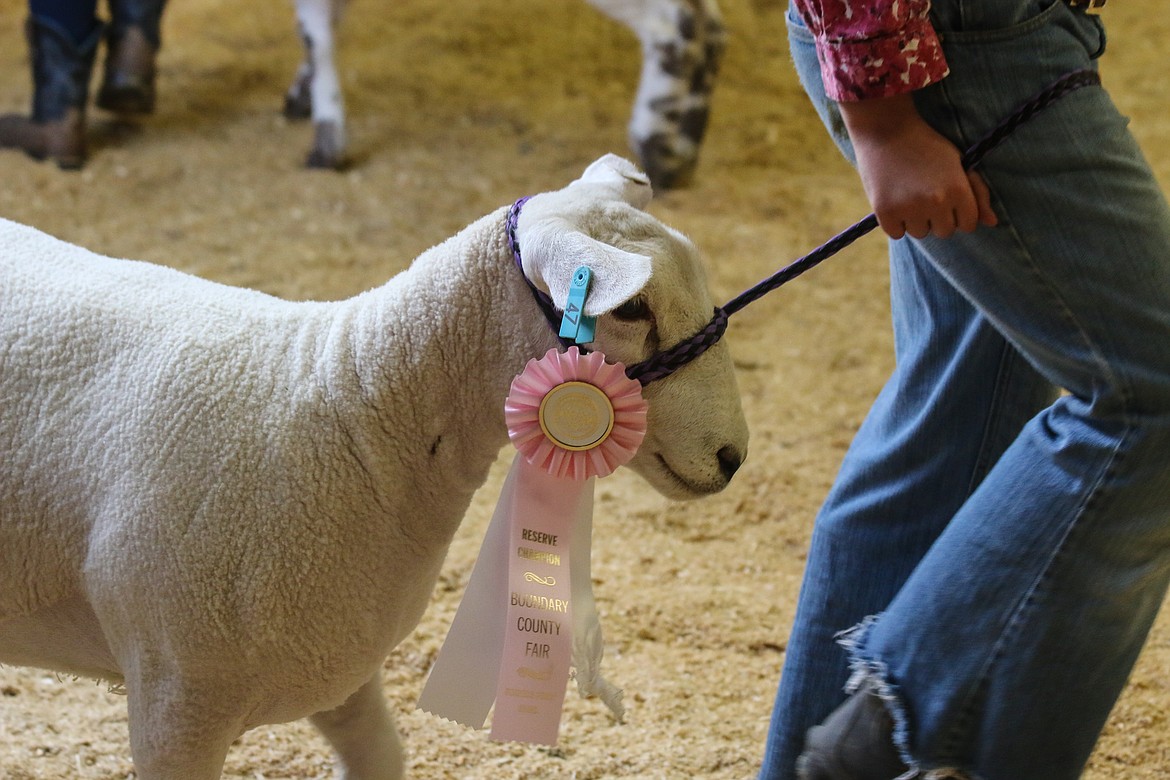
<point>856,742</point>
<point>132,43</point>
<point>60,70</point>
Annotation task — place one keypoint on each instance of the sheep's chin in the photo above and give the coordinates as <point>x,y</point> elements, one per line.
<point>656,470</point>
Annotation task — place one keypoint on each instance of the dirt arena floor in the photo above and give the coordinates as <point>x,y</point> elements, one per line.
<point>456,108</point>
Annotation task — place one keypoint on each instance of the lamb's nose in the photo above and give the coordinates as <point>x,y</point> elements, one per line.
<point>729,461</point>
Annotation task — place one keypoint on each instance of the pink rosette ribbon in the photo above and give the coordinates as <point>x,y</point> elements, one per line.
<point>575,416</point>
<point>528,609</point>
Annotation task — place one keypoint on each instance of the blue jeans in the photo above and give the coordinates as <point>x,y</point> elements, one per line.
<point>77,18</point>
<point>999,548</point>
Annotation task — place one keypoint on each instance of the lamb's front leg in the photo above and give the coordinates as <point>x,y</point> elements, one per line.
<point>682,45</point>
<point>177,730</point>
<point>362,733</point>
<point>316,90</point>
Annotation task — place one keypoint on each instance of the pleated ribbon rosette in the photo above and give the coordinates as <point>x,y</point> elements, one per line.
<point>528,611</point>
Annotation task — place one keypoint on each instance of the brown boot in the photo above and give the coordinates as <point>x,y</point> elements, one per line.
<point>132,44</point>
<point>128,85</point>
<point>61,70</point>
<point>62,140</point>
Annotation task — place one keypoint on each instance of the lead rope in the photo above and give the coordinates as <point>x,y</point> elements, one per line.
<point>668,361</point>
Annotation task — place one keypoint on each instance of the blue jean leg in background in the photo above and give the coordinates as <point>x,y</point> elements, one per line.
<point>77,18</point>
<point>1006,646</point>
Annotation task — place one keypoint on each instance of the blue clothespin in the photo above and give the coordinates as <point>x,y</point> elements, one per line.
<point>575,324</point>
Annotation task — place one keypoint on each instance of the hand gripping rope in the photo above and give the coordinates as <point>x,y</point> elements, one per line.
<point>668,361</point>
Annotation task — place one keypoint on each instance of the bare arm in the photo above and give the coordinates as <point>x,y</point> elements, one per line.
<point>913,176</point>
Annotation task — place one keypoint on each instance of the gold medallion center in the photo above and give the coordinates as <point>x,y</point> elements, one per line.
<point>576,415</point>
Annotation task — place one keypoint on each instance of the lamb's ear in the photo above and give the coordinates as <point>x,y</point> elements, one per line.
<point>618,275</point>
<point>623,177</point>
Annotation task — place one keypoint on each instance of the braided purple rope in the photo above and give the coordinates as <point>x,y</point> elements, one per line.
<point>668,361</point>
<point>551,313</point>
<point>1070,82</point>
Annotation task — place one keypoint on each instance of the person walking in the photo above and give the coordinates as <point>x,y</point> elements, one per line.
<point>63,39</point>
<point>996,545</point>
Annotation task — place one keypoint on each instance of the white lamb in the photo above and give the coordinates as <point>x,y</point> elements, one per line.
<point>238,505</point>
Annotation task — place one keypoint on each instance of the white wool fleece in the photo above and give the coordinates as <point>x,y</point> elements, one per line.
<point>155,422</point>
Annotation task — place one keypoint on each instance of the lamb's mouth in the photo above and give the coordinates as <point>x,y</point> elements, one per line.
<point>687,485</point>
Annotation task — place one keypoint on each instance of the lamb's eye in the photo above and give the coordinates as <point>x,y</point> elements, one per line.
<point>633,309</point>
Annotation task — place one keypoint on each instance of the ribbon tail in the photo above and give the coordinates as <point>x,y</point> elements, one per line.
<point>588,644</point>
<point>462,683</point>
<point>537,652</point>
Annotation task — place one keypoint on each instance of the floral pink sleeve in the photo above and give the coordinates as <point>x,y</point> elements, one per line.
<point>874,48</point>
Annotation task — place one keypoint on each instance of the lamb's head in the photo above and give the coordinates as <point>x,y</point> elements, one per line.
<point>649,293</point>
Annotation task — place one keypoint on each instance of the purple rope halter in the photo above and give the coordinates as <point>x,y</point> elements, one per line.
<point>669,360</point>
